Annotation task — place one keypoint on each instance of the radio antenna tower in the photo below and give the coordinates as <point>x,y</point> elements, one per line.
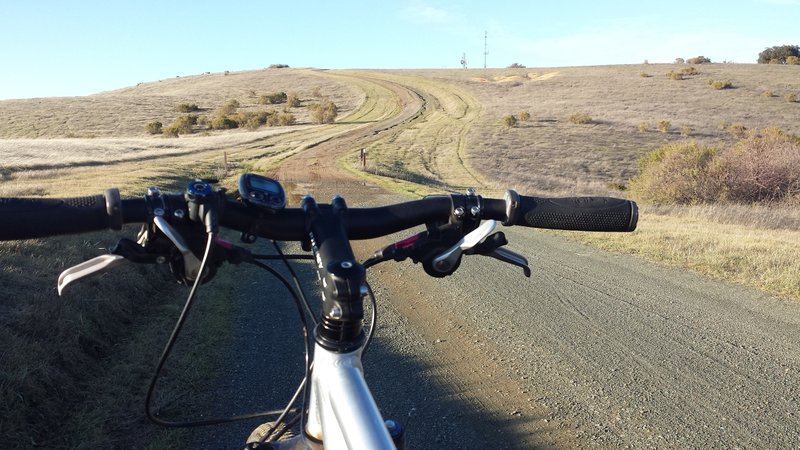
<point>485,47</point>
<point>464,60</point>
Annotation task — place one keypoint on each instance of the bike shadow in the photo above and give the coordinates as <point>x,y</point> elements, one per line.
<point>262,363</point>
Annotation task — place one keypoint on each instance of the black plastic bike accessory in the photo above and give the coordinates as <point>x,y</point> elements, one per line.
<point>343,278</point>
<point>579,213</point>
<point>262,192</point>
<point>26,218</point>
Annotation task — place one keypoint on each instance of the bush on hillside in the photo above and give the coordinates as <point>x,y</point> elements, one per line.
<point>154,127</point>
<point>275,98</point>
<point>524,116</point>
<point>516,66</point>
<point>187,107</point>
<point>324,112</point>
<point>292,100</point>
<point>182,125</point>
<point>762,167</point>
<point>672,75</point>
<point>683,173</point>
<point>580,119</point>
<point>778,54</point>
<point>229,108</point>
<point>698,60</point>
<point>664,126</point>
<point>222,122</point>
<point>720,84</point>
<point>510,121</point>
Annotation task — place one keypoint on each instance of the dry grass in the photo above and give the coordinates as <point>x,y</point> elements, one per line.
<point>126,112</point>
<point>720,243</point>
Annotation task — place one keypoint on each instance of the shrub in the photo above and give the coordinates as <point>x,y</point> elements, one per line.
<point>672,75</point>
<point>230,107</point>
<point>689,71</point>
<point>617,186</point>
<point>644,127</point>
<point>778,54</point>
<point>768,94</point>
<point>664,126</point>
<point>293,100</point>
<point>580,118</point>
<point>791,97</point>
<point>154,127</point>
<point>324,112</point>
<point>278,66</point>
<point>793,60</point>
<point>181,125</point>
<point>516,66</point>
<point>644,75</point>
<point>720,84</point>
<point>683,173</point>
<point>524,116</point>
<point>686,131</point>
<point>510,121</point>
<point>250,120</point>
<point>286,119</point>
<point>698,60</point>
<point>273,99</point>
<point>222,122</point>
<point>170,131</point>
<point>737,130</point>
<point>764,167</point>
<point>680,61</point>
<point>187,107</point>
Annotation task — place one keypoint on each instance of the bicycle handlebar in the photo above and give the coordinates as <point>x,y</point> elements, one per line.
<point>25,218</point>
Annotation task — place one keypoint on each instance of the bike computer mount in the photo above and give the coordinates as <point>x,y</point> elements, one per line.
<point>262,192</point>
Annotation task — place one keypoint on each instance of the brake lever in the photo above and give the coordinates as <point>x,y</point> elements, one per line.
<point>191,264</point>
<point>513,258</point>
<point>93,266</point>
<point>493,246</point>
<point>450,257</point>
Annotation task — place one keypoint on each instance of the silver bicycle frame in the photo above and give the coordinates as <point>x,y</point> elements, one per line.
<point>341,413</point>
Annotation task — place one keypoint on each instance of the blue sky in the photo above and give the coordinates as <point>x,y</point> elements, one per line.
<point>63,47</point>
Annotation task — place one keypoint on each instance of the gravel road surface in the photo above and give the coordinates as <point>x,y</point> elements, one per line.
<point>595,350</point>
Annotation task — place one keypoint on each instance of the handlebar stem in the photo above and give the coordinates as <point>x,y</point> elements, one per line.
<point>343,279</point>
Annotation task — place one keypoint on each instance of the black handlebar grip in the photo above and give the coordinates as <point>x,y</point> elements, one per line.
<point>578,213</point>
<point>26,218</point>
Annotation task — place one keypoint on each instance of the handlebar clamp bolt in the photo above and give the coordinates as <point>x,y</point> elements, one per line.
<point>336,312</point>
<point>475,211</point>
<point>459,212</point>
<point>158,212</point>
<point>153,191</point>
<point>471,191</point>
<point>346,264</point>
<point>179,213</point>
